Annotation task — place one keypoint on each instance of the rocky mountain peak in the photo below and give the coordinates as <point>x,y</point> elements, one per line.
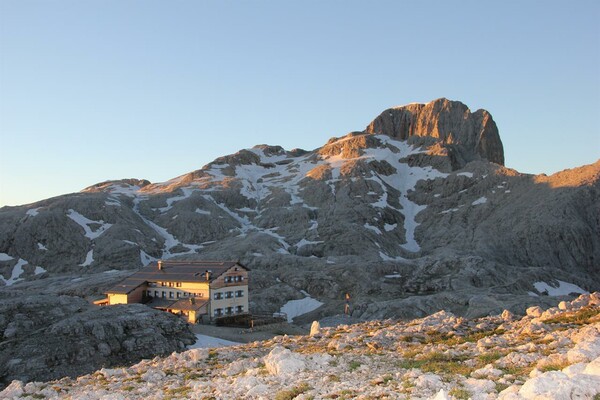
<point>467,136</point>
<point>117,185</point>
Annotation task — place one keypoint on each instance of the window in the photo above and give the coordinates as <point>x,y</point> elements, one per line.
<point>218,296</point>
<point>218,311</point>
<point>163,284</point>
<point>239,293</point>
<point>228,295</point>
<point>229,310</point>
<point>239,309</point>
<point>164,295</point>
<point>156,293</point>
<point>170,284</point>
<point>170,295</point>
<point>178,295</point>
<point>178,284</point>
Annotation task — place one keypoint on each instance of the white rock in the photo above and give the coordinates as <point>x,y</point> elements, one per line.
<point>593,368</point>
<point>487,372</point>
<point>563,305</point>
<point>584,352</point>
<point>428,381</point>
<point>574,369</point>
<point>558,386</point>
<point>510,393</point>
<point>15,389</point>
<point>153,375</point>
<point>441,395</point>
<point>479,385</point>
<point>534,311</point>
<point>281,361</point>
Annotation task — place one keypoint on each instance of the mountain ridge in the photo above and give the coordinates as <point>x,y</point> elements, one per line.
<point>338,219</point>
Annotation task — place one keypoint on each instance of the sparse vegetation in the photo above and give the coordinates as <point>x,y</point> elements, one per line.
<point>354,365</point>
<point>459,393</point>
<point>579,317</point>
<point>487,358</point>
<point>292,393</point>
<point>501,386</point>
<point>557,366</point>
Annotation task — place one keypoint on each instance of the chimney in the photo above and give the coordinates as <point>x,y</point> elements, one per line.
<point>207,274</point>
<point>160,266</point>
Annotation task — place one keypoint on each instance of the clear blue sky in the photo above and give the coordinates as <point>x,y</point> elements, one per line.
<point>98,90</point>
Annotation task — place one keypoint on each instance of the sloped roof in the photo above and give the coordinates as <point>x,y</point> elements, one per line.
<point>175,271</point>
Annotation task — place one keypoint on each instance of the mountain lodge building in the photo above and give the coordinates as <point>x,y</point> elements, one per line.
<point>196,289</point>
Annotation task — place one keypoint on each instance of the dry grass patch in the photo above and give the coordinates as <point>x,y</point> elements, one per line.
<point>580,317</point>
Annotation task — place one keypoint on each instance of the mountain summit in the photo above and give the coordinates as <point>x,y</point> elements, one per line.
<point>467,136</point>
<point>412,215</point>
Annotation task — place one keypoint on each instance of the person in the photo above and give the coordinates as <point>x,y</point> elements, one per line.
<point>347,306</point>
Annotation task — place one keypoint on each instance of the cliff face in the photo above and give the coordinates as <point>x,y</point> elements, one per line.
<point>467,136</point>
<point>409,217</point>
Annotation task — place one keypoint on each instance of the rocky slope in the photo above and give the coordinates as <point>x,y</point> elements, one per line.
<point>412,215</point>
<point>551,354</point>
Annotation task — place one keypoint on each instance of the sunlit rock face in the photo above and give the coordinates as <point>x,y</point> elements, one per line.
<point>413,215</point>
<point>467,136</point>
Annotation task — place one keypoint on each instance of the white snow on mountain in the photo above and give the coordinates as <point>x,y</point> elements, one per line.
<point>5,257</point>
<point>210,342</point>
<point>481,200</point>
<point>294,308</point>
<point>17,271</point>
<point>33,211</point>
<point>89,259</point>
<point>563,288</point>
<point>85,224</point>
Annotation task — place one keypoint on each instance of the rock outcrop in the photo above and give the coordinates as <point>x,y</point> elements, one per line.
<point>47,337</point>
<point>467,136</point>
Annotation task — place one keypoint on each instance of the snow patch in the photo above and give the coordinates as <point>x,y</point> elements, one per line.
<point>563,288</point>
<point>394,275</point>
<point>17,271</point>
<point>294,308</point>
<point>204,212</point>
<point>390,227</point>
<point>85,224</point>
<point>209,342</point>
<point>305,242</point>
<point>5,257</point>
<point>187,192</point>
<point>385,257</point>
<point>449,210</point>
<point>39,270</point>
<point>467,174</point>
<point>373,228</point>
<point>41,247</point>
<point>145,258</point>
<point>33,211</point>
<point>89,259</point>
<point>481,200</point>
